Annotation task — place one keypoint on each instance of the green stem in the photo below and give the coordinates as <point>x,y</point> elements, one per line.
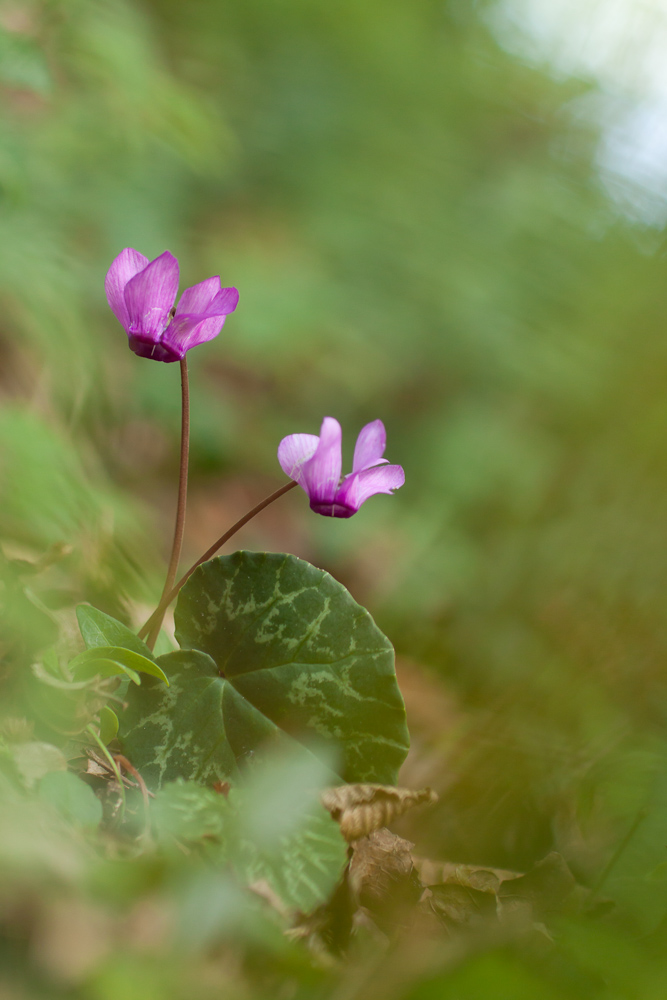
<point>168,597</point>
<point>179,527</point>
<point>114,767</point>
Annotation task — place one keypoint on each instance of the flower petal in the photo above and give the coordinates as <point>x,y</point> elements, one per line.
<point>128,263</point>
<point>150,295</point>
<point>155,350</point>
<point>198,298</point>
<point>293,451</point>
<point>370,446</point>
<point>187,330</point>
<point>322,471</point>
<point>224,303</point>
<point>359,486</point>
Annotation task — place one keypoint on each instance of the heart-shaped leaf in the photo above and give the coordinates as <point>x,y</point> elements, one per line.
<point>275,651</point>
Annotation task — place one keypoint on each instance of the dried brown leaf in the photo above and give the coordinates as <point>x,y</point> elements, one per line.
<point>469,876</point>
<point>458,904</point>
<point>361,809</point>
<point>383,877</point>
<point>547,887</point>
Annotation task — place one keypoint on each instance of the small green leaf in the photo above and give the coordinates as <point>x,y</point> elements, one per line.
<point>130,662</point>
<point>108,724</point>
<point>34,759</point>
<point>64,707</point>
<point>99,629</point>
<point>72,797</point>
<point>102,666</point>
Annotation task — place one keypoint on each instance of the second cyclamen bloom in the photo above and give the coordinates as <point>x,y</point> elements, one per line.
<point>316,462</point>
<point>142,293</point>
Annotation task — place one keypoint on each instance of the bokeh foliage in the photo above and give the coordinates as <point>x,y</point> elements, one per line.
<point>413,220</point>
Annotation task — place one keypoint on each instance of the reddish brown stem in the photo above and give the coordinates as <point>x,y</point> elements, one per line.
<point>179,527</point>
<point>167,598</point>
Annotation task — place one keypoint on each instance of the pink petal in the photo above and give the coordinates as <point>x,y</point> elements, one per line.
<point>224,303</point>
<point>187,330</point>
<point>370,446</point>
<point>128,263</point>
<point>322,471</point>
<point>293,451</point>
<point>198,298</point>
<point>150,295</point>
<point>359,486</point>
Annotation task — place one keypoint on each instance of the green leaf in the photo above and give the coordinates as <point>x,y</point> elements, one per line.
<point>99,629</point>
<point>189,812</point>
<point>283,834</point>
<point>34,759</point>
<point>276,651</point>
<point>101,666</point>
<point>304,867</point>
<point>72,797</point>
<point>195,729</point>
<point>273,828</point>
<point>128,661</point>
<point>108,724</point>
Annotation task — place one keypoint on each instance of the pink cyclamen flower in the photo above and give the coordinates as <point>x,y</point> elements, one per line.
<point>315,463</point>
<point>142,293</point>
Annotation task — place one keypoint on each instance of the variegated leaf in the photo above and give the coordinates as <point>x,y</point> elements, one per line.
<point>273,650</point>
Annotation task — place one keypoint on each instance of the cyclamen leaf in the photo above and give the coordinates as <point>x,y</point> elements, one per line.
<point>185,811</point>
<point>278,651</point>
<point>304,868</point>
<point>302,865</point>
<point>199,729</point>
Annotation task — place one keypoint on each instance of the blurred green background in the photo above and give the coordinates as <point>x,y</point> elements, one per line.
<point>417,225</point>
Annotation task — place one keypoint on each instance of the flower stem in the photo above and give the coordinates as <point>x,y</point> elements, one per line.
<point>169,596</point>
<point>179,527</point>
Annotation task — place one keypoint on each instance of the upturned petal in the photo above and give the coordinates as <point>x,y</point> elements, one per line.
<point>150,296</point>
<point>189,327</point>
<point>370,446</point>
<point>322,471</point>
<point>293,452</point>
<point>198,298</point>
<point>128,263</point>
<point>359,486</point>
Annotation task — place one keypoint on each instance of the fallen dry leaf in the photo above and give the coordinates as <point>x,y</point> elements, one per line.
<point>383,877</point>
<point>361,809</point>
<point>476,877</point>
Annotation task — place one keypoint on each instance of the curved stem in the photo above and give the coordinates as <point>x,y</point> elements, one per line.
<point>179,527</point>
<point>168,597</point>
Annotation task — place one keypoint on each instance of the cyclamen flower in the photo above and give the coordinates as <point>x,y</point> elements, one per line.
<point>142,293</point>
<point>315,463</point>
